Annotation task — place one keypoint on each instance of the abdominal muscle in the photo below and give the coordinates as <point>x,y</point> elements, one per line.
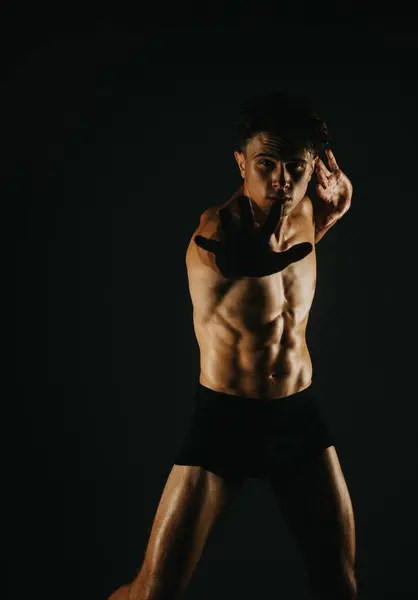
<point>252,332</point>
<point>273,363</point>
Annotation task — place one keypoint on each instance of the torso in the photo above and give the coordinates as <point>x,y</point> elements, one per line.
<point>252,331</point>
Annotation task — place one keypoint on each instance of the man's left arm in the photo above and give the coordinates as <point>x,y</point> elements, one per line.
<point>334,192</point>
<point>319,233</point>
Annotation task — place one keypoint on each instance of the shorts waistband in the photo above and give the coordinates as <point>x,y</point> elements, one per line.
<point>205,393</point>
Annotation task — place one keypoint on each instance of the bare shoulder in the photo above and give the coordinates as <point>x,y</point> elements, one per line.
<point>303,220</point>
<point>306,208</point>
<point>208,227</point>
<point>208,216</point>
<point>208,223</point>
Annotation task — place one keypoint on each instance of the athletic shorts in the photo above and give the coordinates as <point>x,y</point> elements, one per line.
<point>239,436</point>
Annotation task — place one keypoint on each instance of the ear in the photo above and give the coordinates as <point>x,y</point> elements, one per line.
<point>313,166</point>
<point>240,158</point>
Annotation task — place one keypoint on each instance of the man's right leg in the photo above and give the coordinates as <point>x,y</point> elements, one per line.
<point>191,503</point>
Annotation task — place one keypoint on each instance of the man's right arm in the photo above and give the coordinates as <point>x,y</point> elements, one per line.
<point>209,228</point>
<point>204,277</point>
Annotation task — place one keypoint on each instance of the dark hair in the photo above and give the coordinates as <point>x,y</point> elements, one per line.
<point>287,115</point>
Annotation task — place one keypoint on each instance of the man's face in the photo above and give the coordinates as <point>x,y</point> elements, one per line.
<point>270,170</point>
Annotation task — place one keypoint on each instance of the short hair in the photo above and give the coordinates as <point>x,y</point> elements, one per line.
<point>289,116</point>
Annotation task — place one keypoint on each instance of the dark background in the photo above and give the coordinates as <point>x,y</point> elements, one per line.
<point>118,134</point>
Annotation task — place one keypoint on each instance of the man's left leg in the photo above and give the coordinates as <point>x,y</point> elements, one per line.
<point>317,507</point>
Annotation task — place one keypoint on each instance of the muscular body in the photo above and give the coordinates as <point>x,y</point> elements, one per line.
<point>251,334</point>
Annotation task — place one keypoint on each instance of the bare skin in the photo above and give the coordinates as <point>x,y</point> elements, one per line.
<point>251,333</point>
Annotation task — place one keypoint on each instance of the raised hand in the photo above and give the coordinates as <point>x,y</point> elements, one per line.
<point>334,191</point>
<point>246,251</point>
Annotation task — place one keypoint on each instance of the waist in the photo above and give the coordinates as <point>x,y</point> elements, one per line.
<point>205,394</point>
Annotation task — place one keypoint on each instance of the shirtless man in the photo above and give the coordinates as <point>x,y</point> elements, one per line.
<point>252,271</point>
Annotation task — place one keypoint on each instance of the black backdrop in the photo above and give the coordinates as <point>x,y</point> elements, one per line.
<point>118,135</point>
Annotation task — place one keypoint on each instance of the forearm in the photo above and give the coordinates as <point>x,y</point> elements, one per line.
<point>319,233</point>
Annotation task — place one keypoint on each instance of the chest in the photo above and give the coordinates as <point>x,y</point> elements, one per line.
<point>252,302</point>
<point>258,301</point>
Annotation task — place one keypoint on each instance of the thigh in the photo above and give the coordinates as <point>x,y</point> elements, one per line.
<point>317,507</point>
<point>191,504</point>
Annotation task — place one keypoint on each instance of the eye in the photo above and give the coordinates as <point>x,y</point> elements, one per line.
<point>298,165</point>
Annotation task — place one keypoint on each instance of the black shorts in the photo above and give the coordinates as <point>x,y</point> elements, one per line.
<point>240,436</point>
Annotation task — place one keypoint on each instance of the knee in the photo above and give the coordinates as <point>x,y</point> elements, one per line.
<point>154,585</point>
<point>349,583</point>
<point>122,593</point>
<point>348,587</point>
<point>340,586</point>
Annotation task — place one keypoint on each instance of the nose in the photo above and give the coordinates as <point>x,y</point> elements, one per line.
<point>281,178</point>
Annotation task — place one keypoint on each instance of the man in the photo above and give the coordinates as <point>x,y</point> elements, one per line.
<point>252,272</point>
